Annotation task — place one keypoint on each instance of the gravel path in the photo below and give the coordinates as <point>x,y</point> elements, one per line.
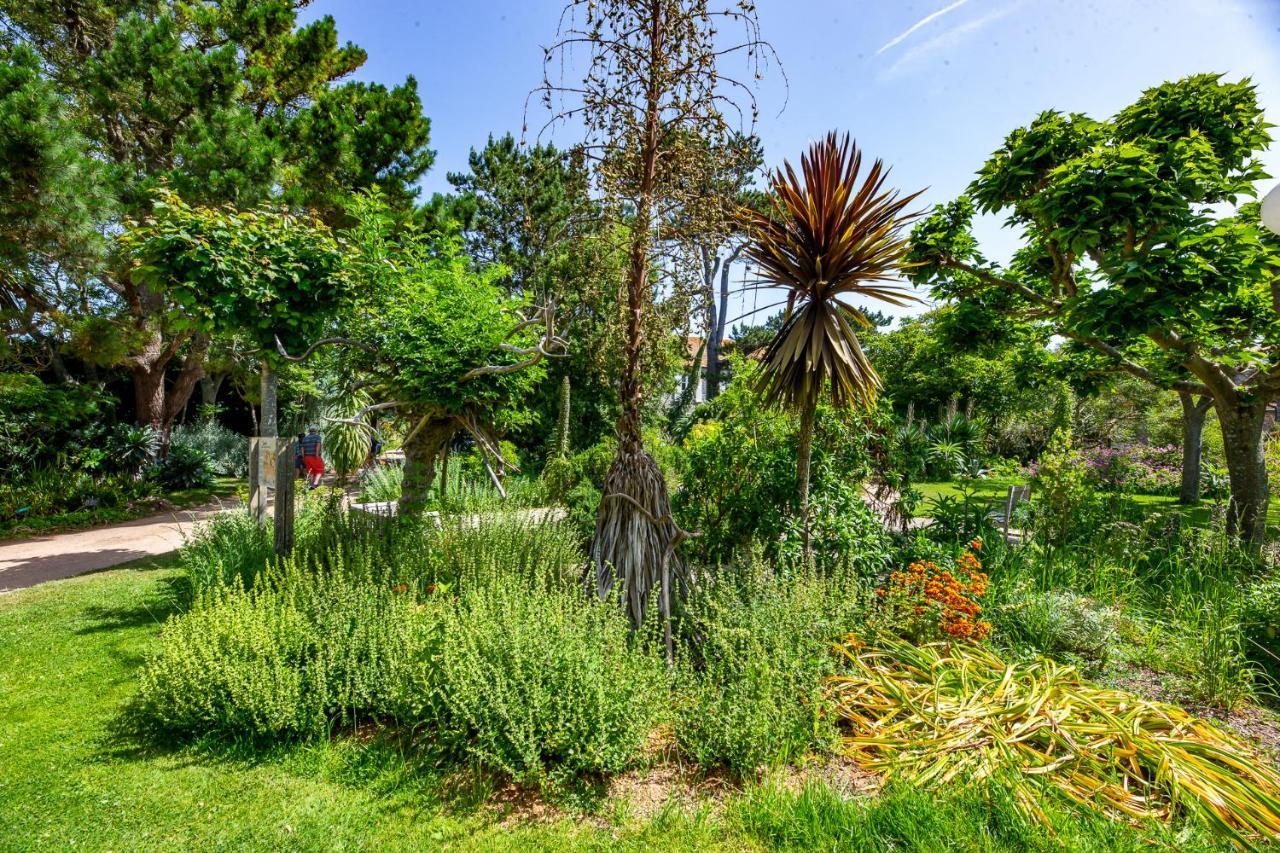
<point>27,562</point>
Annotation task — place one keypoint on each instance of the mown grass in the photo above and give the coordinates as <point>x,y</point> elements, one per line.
<point>996,489</point>
<point>70,776</point>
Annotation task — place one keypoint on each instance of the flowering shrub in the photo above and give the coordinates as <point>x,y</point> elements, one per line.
<point>1147,469</point>
<point>926,602</point>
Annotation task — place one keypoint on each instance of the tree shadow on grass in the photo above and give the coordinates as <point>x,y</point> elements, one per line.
<point>385,761</point>
<point>171,595</point>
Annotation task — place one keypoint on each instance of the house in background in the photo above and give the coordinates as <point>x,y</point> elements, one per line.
<point>693,348</point>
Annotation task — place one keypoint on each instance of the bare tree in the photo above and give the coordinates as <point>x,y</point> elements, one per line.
<point>653,101</point>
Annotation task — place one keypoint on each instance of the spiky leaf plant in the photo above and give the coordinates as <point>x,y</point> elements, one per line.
<point>958,713</point>
<point>346,435</point>
<point>835,235</point>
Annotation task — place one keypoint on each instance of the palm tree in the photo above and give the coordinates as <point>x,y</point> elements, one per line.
<point>830,238</point>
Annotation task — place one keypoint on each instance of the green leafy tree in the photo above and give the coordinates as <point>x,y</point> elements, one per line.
<point>223,102</point>
<point>443,344</point>
<point>836,236</point>
<point>50,200</point>
<point>1127,251</point>
<point>265,274</point>
<point>528,208</point>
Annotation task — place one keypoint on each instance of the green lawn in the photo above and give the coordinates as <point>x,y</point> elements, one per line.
<point>70,777</point>
<point>995,489</point>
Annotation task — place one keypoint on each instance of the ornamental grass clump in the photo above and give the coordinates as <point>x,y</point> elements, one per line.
<point>940,713</point>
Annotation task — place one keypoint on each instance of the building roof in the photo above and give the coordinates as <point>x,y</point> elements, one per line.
<point>693,343</point>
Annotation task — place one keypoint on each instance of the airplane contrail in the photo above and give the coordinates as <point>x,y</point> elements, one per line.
<point>932,16</point>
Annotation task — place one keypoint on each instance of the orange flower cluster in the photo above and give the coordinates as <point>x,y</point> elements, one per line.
<point>934,600</point>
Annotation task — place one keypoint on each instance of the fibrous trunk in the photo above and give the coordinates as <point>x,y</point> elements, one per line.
<point>635,538</point>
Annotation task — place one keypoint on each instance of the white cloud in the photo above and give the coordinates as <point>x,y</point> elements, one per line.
<point>932,16</point>
<point>947,39</point>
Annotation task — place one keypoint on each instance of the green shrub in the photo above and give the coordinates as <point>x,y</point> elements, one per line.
<point>544,685</point>
<point>502,549</point>
<point>753,696</point>
<point>287,659</point>
<point>845,536</point>
<point>228,451</point>
<point>1261,620</point>
<point>184,468</point>
<point>231,548</point>
<point>1062,622</point>
<point>42,423</point>
<point>48,492</point>
<point>381,483</point>
<point>132,448</point>
<point>1067,506</point>
<point>582,504</point>
<point>739,480</point>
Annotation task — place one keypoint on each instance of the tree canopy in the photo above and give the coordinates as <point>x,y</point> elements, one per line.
<point>1127,250</point>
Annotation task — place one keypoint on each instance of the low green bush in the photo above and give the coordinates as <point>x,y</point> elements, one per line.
<point>544,685</point>
<point>739,483</point>
<point>183,468</point>
<point>48,491</point>
<point>476,632</point>
<point>751,693</point>
<point>1261,620</point>
<point>227,450</point>
<point>287,659</point>
<point>543,554</point>
<point>1061,623</point>
<point>845,536</point>
<point>230,548</point>
<point>381,483</point>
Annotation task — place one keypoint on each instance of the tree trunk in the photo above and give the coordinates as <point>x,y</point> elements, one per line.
<point>444,471</point>
<point>155,404</point>
<point>1193,415</point>
<point>421,449</point>
<point>804,453</point>
<point>264,458</point>
<point>717,336</point>
<point>148,395</point>
<point>209,388</point>
<point>635,536</point>
<point>1246,468</point>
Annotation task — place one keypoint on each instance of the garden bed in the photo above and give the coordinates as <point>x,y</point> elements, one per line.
<point>69,654</point>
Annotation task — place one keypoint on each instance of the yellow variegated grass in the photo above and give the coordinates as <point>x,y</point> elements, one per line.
<point>959,713</point>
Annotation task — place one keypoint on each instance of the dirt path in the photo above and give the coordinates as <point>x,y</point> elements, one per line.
<point>28,562</point>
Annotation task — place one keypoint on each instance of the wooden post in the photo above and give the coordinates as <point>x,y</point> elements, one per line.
<point>262,465</point>
<point>444,471</point>
<point>284,498</point>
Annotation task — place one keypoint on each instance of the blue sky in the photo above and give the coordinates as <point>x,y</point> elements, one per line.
<point>931,86</point>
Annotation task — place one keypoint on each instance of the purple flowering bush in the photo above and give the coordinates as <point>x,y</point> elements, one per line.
<point>1143,468</point>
